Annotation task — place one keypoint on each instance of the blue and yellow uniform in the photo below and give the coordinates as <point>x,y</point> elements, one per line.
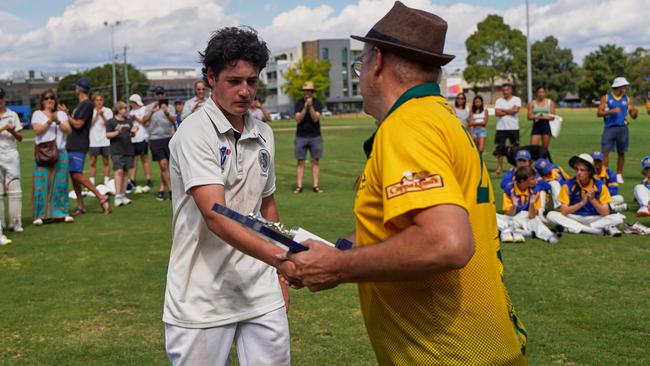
<point>523,201</point>
<point>422,157</point>
<point>550,172</point>
<point>618,119</point>
<point>608,177</point>
<point>572,192</point>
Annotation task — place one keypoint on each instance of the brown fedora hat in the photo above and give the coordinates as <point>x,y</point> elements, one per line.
<point>410,33</point>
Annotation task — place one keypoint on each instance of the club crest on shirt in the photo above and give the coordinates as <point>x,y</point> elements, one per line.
<point>414,182</point>
<point>264,158</point>
<point>224,152</point>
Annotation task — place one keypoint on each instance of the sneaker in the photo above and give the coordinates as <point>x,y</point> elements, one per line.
<point>636,228</point>
<point>126,201</point>
<point>138,190</point>
<point>4,240</point>
<point>146,189</point>
<point>553,239</point>
<point>643,212</point>
<point>160,196</point>
<point>621,207</point>
<point>518,237</point>
<point>506,237</point>
<point>612,231</point>
<point>619,178</point>
<point>18,228</point>
<point>119,201</point>
<point>37,222</point>
<point>68,219</point>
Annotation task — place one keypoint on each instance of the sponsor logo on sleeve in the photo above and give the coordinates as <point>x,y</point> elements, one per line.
<point>411,182</point>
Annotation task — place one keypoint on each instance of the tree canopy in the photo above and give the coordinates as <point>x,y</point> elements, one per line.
<point>552,67</point>
<point>316,71</point>
<point>599,69</point>
<point>101,80</point>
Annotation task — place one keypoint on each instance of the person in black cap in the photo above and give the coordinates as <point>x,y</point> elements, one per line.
<point>78,145</point>
<point>160,123</point>
<point>426,253</point>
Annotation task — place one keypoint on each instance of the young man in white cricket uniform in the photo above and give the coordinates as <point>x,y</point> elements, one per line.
<point>221,282</point>
<point>10,127</point>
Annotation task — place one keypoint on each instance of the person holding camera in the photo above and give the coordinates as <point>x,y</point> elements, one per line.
<point>308,136</point>
<point>541,111</point>
<point>160,122</point>
<point>120,130</point>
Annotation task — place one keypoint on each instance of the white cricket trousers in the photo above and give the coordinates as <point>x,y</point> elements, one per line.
<point>10,185</point>
<point>642,195</point>
<point>260,341</point>
<point>585,224</point>
<point>522,222</point>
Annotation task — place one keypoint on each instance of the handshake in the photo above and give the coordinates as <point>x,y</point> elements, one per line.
<point>308,260</point>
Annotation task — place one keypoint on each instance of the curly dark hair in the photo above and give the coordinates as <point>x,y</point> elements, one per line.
<point>227,45</point>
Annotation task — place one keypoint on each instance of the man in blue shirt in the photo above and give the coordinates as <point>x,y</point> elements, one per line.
<point>614,108</point>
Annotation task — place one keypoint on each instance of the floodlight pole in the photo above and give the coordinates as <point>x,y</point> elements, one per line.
<point>126,76</point>
<point>529,72</point>
<point>112,26</point>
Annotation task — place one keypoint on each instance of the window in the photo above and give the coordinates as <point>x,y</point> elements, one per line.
<point>344,57</point>
<point>325,53</point>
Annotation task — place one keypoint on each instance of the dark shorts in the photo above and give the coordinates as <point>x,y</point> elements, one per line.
<point>76,161</point>
<point>313,144</point>
<point>122,162</point>
<point>141,148</point>
<point>615,139</point>
<point>160,149</point>
<point>541,128</point>
<point>97,151</point>
<point>500,140</point>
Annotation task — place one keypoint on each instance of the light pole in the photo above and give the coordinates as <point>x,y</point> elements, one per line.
<point>112,26</point>
<point>529,72</point>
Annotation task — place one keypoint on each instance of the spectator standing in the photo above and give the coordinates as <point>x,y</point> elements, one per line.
<point>507,111</point>
<point>541,111</point>
<point>10,135</point>
<point>178,110</point>
<point>78,144</point>
<point>478,119</point>
<point>308,136</point>
<point>120,130</point>
<point>193,104</point>
<point>159,121</point>
<point>140,145</point>
<point>614,108</point>
<point>258,111</point>
<point>585,202</point>
<point>99,144</point>
<point>460,105</point>
<point>50,184</point>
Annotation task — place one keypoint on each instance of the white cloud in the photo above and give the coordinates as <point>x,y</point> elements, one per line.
<point>171,31</point>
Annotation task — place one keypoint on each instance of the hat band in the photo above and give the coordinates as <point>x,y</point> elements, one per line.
<point>384,37</point>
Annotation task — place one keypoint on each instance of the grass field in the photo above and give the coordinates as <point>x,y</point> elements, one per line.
<point>90,293</point>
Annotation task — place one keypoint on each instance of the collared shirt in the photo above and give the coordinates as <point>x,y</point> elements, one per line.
<point>572,192</point>
<point>209,282</point>
<point>189,105</point>
<point>159,126</point>
<point>646,182</point>
<point>522,196</point>
<point>422,157</point>
<point>608,177</point>
<point>7,140</point>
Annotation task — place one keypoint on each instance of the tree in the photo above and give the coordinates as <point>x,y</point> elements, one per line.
<point>599,69</point>
<point>307,69</point>
<point>552,67</point>
<point>494,50</point>
<point>101,80</point>
<point>639,73</point>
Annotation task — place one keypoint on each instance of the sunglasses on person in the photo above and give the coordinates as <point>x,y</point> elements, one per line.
<point>49,97</point>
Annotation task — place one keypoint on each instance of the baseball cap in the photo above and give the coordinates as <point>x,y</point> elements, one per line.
<point>585,158</point>
<point>522,155</point>
<point>619,81</point>
<point>178,101</point>
<point>543,166</point>
<point>2,93</point>
<point>135,98</point>
<point>597,155</point>
<point>645,163</point>
<point>83,83</point>
<point>158,90</point>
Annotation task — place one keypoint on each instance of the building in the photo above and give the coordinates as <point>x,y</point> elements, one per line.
<point>178,81</point>
<point>343,94</point>
<point>24,90</point>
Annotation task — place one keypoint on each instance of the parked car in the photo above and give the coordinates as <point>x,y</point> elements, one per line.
<point>326,113</point>
<point>275,116</point>
<point>286,115</point>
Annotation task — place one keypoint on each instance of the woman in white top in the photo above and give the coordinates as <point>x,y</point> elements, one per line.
<point>50,186</point>
<point>99,144</point>
<point>461,109</point>
<point>478,119</point>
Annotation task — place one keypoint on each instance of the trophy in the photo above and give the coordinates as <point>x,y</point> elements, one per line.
<point>276,232</point>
